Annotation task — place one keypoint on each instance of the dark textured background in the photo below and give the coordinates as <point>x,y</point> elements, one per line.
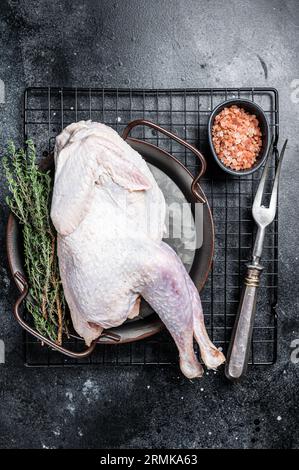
<point>153,43</point>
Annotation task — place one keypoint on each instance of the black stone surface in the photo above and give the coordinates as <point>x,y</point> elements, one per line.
<point>153,43</point>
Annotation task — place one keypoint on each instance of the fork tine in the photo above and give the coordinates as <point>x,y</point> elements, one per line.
<point>259,193</point>
<point>273,200</point>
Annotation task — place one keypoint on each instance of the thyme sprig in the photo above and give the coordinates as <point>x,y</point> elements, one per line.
<point>29,200</point>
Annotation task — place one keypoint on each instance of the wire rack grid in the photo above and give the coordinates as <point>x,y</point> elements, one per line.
<point>185,112</point>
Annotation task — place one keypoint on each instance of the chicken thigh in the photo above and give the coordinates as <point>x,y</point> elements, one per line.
<point>109,214</point>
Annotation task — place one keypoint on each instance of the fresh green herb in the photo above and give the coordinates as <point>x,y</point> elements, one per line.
<point>30,191</point>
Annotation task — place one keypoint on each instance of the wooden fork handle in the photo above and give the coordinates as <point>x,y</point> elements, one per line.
<point>239,348</point>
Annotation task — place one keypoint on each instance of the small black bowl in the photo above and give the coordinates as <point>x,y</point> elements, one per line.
<point>251,108</point>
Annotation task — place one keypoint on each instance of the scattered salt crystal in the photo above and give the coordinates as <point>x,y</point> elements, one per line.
<point>209,433</point>
<point>182,398</point>
<point>279,418</point>
<point>148,387</point>
<point>118,119</point>
<point>201,389</point>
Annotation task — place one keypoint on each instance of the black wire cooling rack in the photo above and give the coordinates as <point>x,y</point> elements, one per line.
<point>185,112</point>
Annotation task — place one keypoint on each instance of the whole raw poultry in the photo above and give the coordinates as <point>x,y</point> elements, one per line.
<point>109,214</point>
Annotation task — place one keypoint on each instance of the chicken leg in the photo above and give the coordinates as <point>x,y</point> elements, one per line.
<point>172,294</point>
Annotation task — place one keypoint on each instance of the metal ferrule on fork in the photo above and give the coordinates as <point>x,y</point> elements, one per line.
<point>252,278</point>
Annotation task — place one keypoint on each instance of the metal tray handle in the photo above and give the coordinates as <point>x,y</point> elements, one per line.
<point>195,188</point>
<point>24,284</point>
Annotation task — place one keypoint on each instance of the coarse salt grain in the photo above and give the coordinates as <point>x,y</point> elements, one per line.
<point>237,138</point>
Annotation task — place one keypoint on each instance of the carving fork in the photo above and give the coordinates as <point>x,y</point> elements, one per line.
<point>238,352</point>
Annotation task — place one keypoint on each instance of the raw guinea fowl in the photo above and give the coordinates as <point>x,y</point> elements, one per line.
<point>109,214</point>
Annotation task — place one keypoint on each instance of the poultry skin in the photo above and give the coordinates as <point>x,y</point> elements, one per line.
<point>109,214</point>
